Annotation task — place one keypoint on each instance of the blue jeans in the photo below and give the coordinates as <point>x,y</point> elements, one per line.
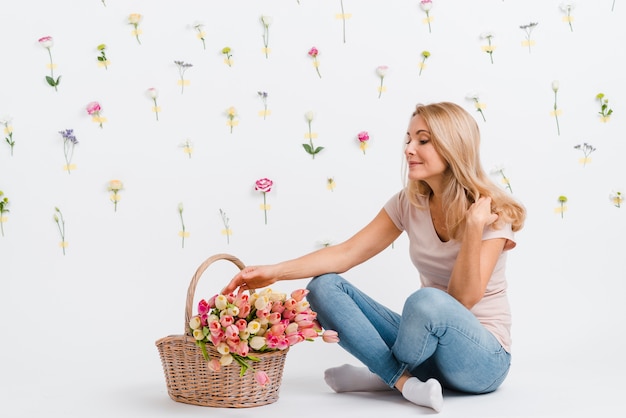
<point>434,337</point>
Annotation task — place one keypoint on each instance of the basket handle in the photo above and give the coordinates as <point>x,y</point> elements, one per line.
<point>191,291</point>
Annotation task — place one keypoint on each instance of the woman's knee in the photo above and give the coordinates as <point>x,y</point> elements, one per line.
<point>425,301</point>
<point>319,286</point>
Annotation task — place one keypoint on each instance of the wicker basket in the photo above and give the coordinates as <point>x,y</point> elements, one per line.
<point>189,379</point>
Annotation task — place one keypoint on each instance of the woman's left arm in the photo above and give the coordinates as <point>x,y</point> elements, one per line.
<point>477,257</point>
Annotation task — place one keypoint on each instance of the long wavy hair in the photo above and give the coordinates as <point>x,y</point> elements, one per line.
<point>456,137</point>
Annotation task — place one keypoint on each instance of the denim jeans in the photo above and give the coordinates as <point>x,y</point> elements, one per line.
<point>434,337</point>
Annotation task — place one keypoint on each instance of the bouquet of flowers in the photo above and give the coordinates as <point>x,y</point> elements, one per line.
<point>240,324</point>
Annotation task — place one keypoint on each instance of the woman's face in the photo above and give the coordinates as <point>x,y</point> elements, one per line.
<point>423,160</point>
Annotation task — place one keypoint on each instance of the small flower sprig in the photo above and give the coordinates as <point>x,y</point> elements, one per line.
<point>115,186</point>
<point>567,7</point>
<point>500,170</point>
<point>134,19</point>
<point>587,149</point>
<point>426,5</point>
<point>556,111</point>
<point>562,205</point>
<point>264,186</point>
<point>363,138</point>
<point>425,55</point>
<point>93,109</point>
<point>617,198</point>
<point>226,221</point>
<point>153,94</point>
<point>263,95</point>
<point>331,184</point>
<point>183,234</point>
<point>528,29</point>
<point>231,113</point>
<point>266,21</point>
<point>605,112</point>
<point>489,48</point>
<point>4,203</point>
<point>313,53</point>
<point>48,42</point>
<point>310,148</point>
<point>199,27</point>
<point>8,131</point>
<point>226,51</point>
<point>102,58</point>
<point>381,71</point>
<point>58,219</point>
<point>182,67</point>
<point>187,147</point>
<point>69,142</point>
<point>479,106</point>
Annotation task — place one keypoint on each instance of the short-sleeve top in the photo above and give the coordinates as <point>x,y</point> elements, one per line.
<point>434,260</point>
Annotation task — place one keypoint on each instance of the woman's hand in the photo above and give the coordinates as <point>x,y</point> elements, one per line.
<point>251,277</point>
<point>479,213</point>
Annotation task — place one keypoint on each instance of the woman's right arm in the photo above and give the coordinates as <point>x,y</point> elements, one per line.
<point>369,241</point>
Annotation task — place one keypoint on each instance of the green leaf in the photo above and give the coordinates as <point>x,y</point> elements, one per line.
<point>50,81</point>
<point>308,148</point>
<point>318,149</point>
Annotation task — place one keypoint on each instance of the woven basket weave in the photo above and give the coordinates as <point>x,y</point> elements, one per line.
<point>189,379</point>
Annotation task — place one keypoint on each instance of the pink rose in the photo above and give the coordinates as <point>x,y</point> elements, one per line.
<point>313,52</point>
<point>93,108</point>
<point>363,136</point>
<point>46,41</point>
<point>264,185</point>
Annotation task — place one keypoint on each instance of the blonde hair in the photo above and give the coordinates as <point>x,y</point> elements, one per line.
<point>456,137</point>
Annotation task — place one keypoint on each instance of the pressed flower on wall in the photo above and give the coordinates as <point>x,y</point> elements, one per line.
<point>226,221</point>
<point>199,27</point>
<point>69,142</point>
<point>567,7</point>
<point>264,186</point>
<point>182,67</point>
<point>93,109</point>
<point>562,205</point>
<point>263,95</point>
<point>426,5</point>
<point>381,71</point>
<point>4,204</point>
<point>102,58</point>
<point>60,221</point>
<point>489,48</point>
<point>616,197</point>
<point>187,147</point>
<point>587,149</point>
<point>134,19</point>
<point>226,51</point>
<point>231,113</point>
<point>605,112</point>
<point>115,186</point>
<point>8,132</point>
<point>330,184</point>
<point>266,21</point>
<point>555,110</point>
<point>528,29</point>
<point>48,42</point>
<point>153,94</point>
<point>183,233</point>
<point>477,103</point>
<point>363,138</point>
<point>425,55</point>
<point>313,53</point>
<point>499,170</point>
<point>310,148</point>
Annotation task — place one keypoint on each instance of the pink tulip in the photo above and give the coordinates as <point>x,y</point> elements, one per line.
<point>243,348</point>
<point>241,324</point>
<point>277,329</point>
<point>278,307</point>
<point>227,320</point>
<point>215,365</point>
<point>232,331</point>
<point>295,338</point>
<point>290,303</point>
<point>261,377</point>
<point>330,336</point>
<point>289,314</point>
<point>274,318</point>
<point>203,307</point>
<point>244,310</point>
<point>215,327</point>
<point>299,294</point>
<point>309,333</point>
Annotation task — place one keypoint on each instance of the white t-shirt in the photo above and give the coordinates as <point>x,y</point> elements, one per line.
<point>435,259</point>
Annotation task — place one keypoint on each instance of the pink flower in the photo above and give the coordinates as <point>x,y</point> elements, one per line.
<point>261,377</point>
<point>264,185</point>
<point>226,320</point>
<point>203,307</point>
<point>330,336</point>
<point>299,294</point>
<point>214,365</point>
<point>313,52</point>
<point>93,109</point>
<point>47,42</point>
<point>363,137</point>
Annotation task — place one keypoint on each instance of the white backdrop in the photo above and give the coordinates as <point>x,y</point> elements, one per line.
<point>122,281</point>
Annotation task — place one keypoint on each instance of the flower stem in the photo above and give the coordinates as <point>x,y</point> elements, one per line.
<point>428,19</point>
<point>380,92</point>
<point>265,207</point>
<point>556,116</point>
<point>52,69</point>
<point>343,17</point>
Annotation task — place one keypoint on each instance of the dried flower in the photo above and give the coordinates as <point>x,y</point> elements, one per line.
<point>226,51</point>
<point>69,141</point>
<point>231,112</point>
<point>115,186</point>
<point>363,137</point>
<point>313,53</point>
<point>4,203</point>
<point>102,58</point>
<point>263,96</point>
<point>426,5</point>
<point>556,111</point>
<point>605,112</point>
<point>134,19</point>
<point>187,147</point>
<point>199,28</point>
<point>500,170</point>
<point>8,131</point>
<point>587,149</point>
<point>528,28</point>
<point>153,93</point>
<point>93,109</point>
<point>425,55</point>
<point>264,186</point>
<point>309,148</point>
<point>381,71</point>
<point>479,106</point>
<point>48,42</point>
<point>182,233</point>
<point>567,7</point>
<point>182,67</point>
<point>58,219</point>
<point>226,221</point>
<point>562,207</point>
<point>616,197</point>
<point>330,184</point>
<point>266,21</point>
<point>489,48</point>
<point>343,18</point>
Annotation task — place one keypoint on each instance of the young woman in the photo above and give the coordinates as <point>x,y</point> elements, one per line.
<point>454,332</point>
